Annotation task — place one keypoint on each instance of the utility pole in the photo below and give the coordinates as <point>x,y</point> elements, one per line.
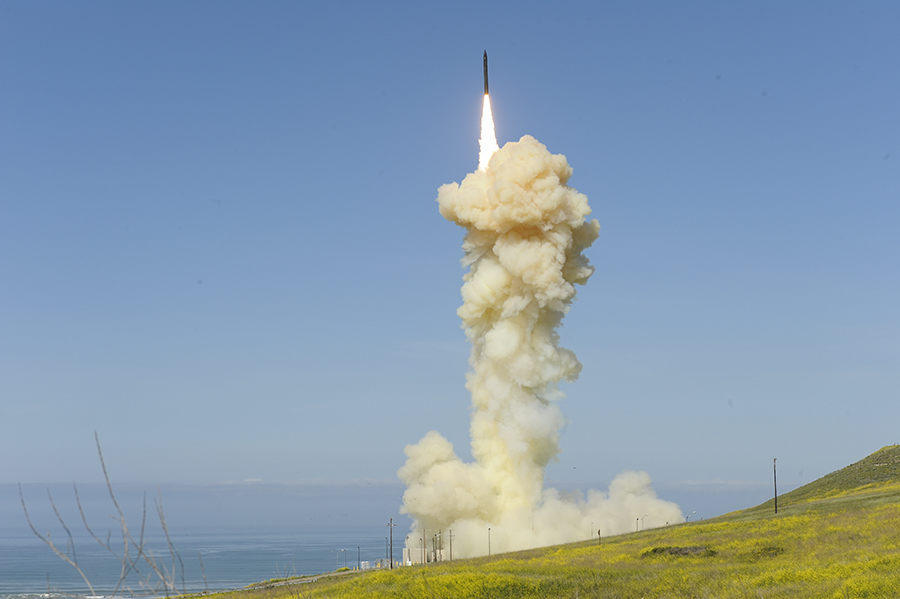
<point>450,537</point>
<point>392,525</point>
<point>775,478</point>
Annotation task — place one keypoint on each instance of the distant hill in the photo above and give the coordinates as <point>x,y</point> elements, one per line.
<point>879,468</point>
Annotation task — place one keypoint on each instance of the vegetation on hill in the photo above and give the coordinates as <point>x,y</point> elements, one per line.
<point>883,466</point>
<point>836,537</point>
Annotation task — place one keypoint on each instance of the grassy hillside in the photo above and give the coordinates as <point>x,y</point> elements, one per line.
<point>836,537</point>
<point>883,466</point>
<point>870,473</point>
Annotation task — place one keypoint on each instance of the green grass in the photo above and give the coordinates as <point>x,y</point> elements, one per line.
<point>836,537</point>
<point>883,466</point>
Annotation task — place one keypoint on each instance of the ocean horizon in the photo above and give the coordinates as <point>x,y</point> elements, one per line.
<point>205,560</point>
<point>226,535</point>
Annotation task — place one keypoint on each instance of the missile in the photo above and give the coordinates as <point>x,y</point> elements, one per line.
<point>485,74</point>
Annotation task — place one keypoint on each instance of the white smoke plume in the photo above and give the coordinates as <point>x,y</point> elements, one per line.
<point>526,231</point>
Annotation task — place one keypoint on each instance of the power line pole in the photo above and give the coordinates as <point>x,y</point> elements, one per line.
<point>391,526</point>
<point>775,479</point>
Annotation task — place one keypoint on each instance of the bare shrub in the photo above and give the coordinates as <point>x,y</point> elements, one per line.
<point>154,573</point>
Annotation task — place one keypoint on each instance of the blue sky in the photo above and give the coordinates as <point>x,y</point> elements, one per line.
<point>220,249</point>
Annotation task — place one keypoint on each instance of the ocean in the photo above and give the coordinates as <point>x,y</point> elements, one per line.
<point>227,535</point>
<point>211,559</point>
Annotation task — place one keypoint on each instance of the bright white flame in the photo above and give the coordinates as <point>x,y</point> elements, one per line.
<point>488,141</point>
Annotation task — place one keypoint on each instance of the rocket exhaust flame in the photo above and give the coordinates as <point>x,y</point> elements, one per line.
<point>526,230</point>
<point>488,142</point>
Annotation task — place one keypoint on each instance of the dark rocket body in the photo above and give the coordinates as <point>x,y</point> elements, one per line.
<point>485,74</point>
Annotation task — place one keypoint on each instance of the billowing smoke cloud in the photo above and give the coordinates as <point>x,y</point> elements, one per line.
<point>526,232</point>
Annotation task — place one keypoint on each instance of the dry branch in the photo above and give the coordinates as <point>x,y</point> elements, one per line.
<point>133,553</point>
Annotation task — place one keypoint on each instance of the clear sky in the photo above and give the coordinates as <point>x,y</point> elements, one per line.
<point>220,246</point>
